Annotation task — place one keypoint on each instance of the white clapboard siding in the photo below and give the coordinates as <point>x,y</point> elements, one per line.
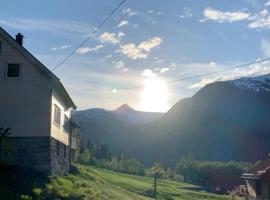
<point>25,103</point>
<point>58,132</point>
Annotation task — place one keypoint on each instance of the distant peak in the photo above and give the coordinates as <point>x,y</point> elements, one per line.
<point>124,108</point>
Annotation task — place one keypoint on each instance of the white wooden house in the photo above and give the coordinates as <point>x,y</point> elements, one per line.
<point>37,108</point>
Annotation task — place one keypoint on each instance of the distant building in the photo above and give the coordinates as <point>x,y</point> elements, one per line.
<point>258,181</point>
<point>37,108</point>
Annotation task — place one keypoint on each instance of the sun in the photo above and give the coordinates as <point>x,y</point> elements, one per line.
<point>154,97</point>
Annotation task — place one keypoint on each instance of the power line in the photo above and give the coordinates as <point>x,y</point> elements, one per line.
<point>183,79</point>
<point>90,36</point>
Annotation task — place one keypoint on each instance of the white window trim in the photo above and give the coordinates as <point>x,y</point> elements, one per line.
<point>13,78</point>
<point>54,122</point>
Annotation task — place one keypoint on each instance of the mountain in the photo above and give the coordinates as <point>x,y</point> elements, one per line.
<point>226,120</point>
<point>114,128</point>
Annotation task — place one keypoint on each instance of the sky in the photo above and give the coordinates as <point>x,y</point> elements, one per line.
<point>144,45</point>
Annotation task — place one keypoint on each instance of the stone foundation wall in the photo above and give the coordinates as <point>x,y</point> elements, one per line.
<point>27,152</point>
<point>60,158</point>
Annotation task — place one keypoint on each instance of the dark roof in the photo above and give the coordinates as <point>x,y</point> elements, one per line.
<point>258,170</point>
<point>40,66</point>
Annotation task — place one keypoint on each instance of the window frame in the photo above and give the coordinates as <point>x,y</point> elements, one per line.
<point>57,112</point>
<point>6,70</point>
<point>66,125</point>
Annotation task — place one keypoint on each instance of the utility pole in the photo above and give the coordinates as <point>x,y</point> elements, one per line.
<point>4,133</point>
<point>156,175</point>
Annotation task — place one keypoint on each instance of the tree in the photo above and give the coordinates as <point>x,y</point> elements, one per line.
<point>85,156</point>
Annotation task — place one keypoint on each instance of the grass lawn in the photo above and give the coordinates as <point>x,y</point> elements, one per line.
<point>87,182</point>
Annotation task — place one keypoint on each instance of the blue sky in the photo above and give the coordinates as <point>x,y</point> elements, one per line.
<point>144,40</point>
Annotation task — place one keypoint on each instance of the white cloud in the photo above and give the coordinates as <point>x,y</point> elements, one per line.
<point>148,73</point>
<point>63,47</point>
<point>129,12</point>
<point>119,64</point>
<point>113,38</point>
<point>123,23</point>
<point>267,3</point>
<point>265,45</point>
<point>260,23</point>
<point>125,70</point>
<point>84,50</point>
<point>54,48</point>
<point>150,11</point>
<point>108,56</point>
<point>62,27</point>
<point>220,16</point>
<point>141,50</point>
<point>264,13</point>
<point>253,70</point>
<point>187,13</point>
<point>164,69</point>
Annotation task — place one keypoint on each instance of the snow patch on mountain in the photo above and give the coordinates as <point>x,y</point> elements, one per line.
<point>254,84</point>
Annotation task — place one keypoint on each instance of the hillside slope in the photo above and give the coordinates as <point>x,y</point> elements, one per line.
<point>87,182</point>
<point>223,121</point>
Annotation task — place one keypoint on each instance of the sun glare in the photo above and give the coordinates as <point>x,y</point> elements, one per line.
<point>154,97</point>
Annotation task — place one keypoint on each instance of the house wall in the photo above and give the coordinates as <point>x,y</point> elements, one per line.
<point>26,106</point>
<point>24,102</point>
<point>251,187</point>
<point>58,132</point>
<point>27,152</point>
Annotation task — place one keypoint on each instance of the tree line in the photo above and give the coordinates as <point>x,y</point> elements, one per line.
<point>188,169</point>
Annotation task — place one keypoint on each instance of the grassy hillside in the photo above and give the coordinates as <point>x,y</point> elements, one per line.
<point>99,184</point>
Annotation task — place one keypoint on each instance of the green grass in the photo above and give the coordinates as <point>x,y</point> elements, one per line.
<point>87,182</point>
<point>96,183</point>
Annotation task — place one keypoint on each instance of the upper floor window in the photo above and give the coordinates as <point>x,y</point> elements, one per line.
<point>13,70</point>
<point>57,115</point>
<point>66,124</point>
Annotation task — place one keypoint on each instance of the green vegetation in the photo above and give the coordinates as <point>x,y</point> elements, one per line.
<point>86,182</point>
<point>211,173</point>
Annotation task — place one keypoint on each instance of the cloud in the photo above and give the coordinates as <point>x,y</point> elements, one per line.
<point>52,26</point>
<point>148,73</point>
<point>84,50</point>
<point>141,50</point>
<point>171,67</point>
<point>265,46</point>
<point>187,13</point>
<point>123,23</point>
<point>63,47</point>
<point>260,23</point>
<point>220,16</point>
<point>264,13</point>
<point>164,69</point>
<point>113,38</point>
<point>253,70</point>
<point>129,12</point>
<point>267,3</point>
<point>119,64</point>
<point>108,56</point>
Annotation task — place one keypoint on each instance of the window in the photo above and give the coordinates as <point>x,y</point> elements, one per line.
<point>66,124</point>
<point>57,115</point>
<point>0,46</point>
<point>13,70</point>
